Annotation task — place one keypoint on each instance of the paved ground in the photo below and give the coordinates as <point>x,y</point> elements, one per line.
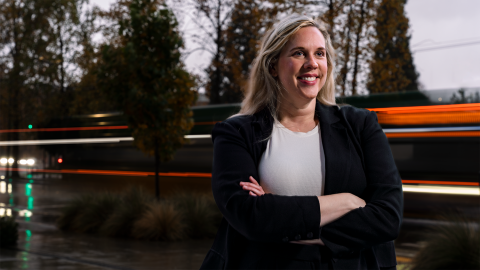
<point>42,246</point>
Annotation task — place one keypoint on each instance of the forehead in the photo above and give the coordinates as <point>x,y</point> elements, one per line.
<point>308,37</point>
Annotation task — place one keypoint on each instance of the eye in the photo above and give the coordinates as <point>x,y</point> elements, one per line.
<point>321,53</point>
<point>298,53</point>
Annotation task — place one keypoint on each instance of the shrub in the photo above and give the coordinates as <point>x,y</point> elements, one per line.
<point>8,231</point>
<point>161,221</point>
<point>72,210</point>
<point>95,212</point>
<point>201,215</point>
<point>455,245</point>
<point>132,206</point>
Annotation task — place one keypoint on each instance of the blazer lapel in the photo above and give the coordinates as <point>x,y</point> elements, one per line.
<point>336,147</point>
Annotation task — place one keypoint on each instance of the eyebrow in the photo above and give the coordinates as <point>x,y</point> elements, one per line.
<point>302,48</point>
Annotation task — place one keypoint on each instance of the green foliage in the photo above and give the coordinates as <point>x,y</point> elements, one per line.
<point>8,231</point>
<point>392,68</point>
<point>144,75</point>
<point>455,245</point>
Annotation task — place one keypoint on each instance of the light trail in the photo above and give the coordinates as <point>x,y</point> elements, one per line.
<point>84,141</point>
<point>112,172</point>
<point>67,141</point>
<point>433,129</point>
<point>447,190</point>
<point>62,129</point>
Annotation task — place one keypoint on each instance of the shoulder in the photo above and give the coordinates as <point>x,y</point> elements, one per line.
<point>359,120</point>
<point>356,117</point>
<point>234,126</point>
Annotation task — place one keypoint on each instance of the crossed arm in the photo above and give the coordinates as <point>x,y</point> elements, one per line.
<point>332,207</point>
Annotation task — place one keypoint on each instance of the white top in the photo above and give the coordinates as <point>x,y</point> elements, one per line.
<point>294,165</point>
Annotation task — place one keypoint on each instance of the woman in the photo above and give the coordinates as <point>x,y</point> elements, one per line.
<point>333,194</point>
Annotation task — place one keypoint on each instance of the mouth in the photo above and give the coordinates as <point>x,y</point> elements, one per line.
<point>308,78</point>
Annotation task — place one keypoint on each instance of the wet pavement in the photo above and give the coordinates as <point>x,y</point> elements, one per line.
<point>36,203</point>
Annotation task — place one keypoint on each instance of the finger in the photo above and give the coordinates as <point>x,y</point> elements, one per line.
<point>253,180</point>
<point>256,190</point>
<point>252,186</point>
<point>252,194</point>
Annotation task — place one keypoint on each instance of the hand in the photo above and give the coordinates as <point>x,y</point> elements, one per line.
<point>355,202</point>
<point>254,188</point>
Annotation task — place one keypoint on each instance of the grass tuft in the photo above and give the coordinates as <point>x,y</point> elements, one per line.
<point>134,213</point>
<point>202,216</point>
<point>161,221</point>
<point>72,210</point>
<point>455,245</point>
<point>132,206</point>
<point>8,231</point>
<point>95,212</point>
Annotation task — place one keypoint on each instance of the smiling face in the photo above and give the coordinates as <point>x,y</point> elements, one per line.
<point>302,66</point>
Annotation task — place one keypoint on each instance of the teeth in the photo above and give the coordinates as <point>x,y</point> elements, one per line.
<point>308,78</point>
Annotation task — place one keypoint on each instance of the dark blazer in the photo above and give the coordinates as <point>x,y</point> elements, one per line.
<point>358,160</point>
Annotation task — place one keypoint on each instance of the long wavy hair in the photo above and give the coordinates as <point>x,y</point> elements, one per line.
<point>263,90</point>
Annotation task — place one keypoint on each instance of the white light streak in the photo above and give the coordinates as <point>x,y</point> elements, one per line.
<point>85,141</point>
<point>451,190</point>
<point>3,187</point>
<point>2,212</point>
<point>9,212</point>
<point>201,136</point>
<point>67,141</point>
<point>9,189</point>
<point>3,161</point>
<point>30,162</point>
<point>23,162</point>
<point>11,160</point>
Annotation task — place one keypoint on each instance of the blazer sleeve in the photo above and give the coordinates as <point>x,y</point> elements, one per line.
<point>268,218</point>
<point>379,221</point>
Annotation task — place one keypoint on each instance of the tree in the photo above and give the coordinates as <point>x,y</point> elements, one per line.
<point>392,68</point>
<point>32,66</point>
<point>145,76</point>
<point>351,24</point>
<point>249,21</point>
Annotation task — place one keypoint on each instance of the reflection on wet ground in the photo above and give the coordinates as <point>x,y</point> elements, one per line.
<point>36,204</point>
<point>55,250</point>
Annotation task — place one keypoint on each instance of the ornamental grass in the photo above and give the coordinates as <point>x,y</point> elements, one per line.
<point>452,245</point>
<point>135,213</point>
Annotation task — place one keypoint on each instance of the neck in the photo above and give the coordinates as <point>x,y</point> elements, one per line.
<point>298,117</point>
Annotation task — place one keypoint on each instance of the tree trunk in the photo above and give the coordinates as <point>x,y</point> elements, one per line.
<point>357,49</point>
<point>157,168</point>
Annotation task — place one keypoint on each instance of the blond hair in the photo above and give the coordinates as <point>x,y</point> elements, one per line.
<point>263,90</point>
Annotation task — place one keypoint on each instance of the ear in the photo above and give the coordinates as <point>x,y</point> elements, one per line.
<point>273,71</point>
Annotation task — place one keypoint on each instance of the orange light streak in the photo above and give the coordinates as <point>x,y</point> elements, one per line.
<point>450,183</point>
<point>425,115</point>
<point>205,175</point>
<point>82,128</point>
<point>433,134</point>
<point>62,129</point>
<point>110,172</point>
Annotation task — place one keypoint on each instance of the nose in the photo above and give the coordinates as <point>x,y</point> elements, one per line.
<point>310,62</point>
